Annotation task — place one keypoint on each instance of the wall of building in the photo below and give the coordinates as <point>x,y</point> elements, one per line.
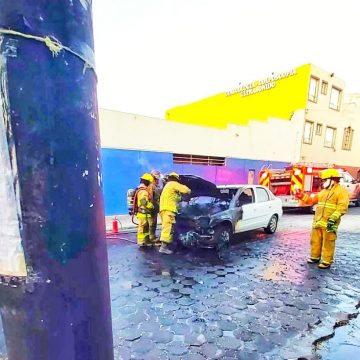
<point>257,140</point>
<point>319,112</point>
<point>277,96</point>
<point>121,170</point>
<point>133,144</point>
<point>288,94</point>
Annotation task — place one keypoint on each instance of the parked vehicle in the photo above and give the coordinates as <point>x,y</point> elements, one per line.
<point>214,213</point>
<point>352,186</point>
<point>305,177</point>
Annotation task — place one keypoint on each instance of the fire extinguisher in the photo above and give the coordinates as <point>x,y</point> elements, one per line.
<point>115,226</point>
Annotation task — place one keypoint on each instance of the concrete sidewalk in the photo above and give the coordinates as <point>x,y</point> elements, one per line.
<point>125,222</point>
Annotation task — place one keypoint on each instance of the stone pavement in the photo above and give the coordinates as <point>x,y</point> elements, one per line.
<point>264,303</point>
<point>345,344</point>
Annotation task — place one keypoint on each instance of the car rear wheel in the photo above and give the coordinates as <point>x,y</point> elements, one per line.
<point>272,226</point>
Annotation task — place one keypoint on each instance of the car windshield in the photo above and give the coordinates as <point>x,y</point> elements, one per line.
<point>203,206</point>
<point>230,191</point>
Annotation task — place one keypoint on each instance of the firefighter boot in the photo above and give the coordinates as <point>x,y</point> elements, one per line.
<point>324,265</point>
<point>157,242</point>
<point>164,249</point>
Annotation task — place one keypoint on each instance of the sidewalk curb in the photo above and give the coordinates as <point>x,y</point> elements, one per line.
<point>124,223</point>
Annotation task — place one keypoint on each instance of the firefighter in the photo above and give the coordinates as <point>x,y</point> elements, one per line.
<point>332,202</point>
<point>155,192</point>
<point>169,201</point>
<point>143,210</point>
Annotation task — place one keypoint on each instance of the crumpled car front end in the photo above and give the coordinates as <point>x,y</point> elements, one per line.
<point>194,231</point>
<point>196,222</point>
<point>198,217</point>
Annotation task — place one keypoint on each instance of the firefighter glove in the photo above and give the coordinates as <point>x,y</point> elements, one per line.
<point>330,225</point>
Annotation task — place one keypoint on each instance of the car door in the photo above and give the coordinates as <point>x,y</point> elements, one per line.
<point>244,203</point>
<point>264,207</point>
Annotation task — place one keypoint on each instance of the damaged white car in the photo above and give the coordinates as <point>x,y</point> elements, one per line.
<point>214,213</point>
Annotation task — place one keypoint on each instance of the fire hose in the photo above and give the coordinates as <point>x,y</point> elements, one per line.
<point>132,220</point>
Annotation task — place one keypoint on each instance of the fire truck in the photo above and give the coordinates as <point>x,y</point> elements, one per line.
<point>304,177</point>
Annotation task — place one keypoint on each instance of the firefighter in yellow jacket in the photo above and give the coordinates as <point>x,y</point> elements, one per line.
<point>332,202</point>
<point>143,210</point>
<point>155,192</point>
<point>169,201</point>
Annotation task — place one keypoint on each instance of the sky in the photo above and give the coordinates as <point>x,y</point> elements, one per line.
<point>152,55</point>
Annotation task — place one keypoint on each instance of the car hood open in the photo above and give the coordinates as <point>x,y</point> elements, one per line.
<point>200,186</point>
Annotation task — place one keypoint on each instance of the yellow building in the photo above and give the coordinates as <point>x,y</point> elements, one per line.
<point>323,126</point>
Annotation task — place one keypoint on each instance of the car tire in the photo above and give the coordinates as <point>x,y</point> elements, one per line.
<point>222,236</point>
<point>272,226</point>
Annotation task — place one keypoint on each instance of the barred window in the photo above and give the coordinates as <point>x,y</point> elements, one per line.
<point>198,160</point>
<point>318,129</point>
<point>347,139</point>
<point>324,87</point>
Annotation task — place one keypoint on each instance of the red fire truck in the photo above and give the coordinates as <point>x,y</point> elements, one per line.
<point>305,177</point>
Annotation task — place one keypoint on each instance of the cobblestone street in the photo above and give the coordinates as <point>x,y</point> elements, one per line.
<point>264,302</point>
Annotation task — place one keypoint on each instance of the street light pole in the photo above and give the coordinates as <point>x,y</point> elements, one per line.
<point>54,290</point>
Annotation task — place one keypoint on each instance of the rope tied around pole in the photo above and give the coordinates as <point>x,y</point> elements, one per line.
<point>53,44</point>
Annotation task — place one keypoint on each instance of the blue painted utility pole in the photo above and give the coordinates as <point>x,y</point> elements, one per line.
<point>54,285</point>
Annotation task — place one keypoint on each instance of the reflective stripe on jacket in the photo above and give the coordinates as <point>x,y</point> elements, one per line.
<point>171,196</point>
<point>331,204</point>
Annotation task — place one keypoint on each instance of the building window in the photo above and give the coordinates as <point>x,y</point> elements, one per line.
<point>324,87</point>
<point>347,139</point>
<point>319,129</point>
<point>335,98</point>
<point>330,137</point>
<point>198,160</point>
<point>308,132</point>
<point>313,89</point>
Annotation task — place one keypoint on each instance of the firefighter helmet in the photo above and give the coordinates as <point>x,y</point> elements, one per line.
<point>330,173</point>
<point>175,175</point>
<point>155,174</point>
<point>147,177</point>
